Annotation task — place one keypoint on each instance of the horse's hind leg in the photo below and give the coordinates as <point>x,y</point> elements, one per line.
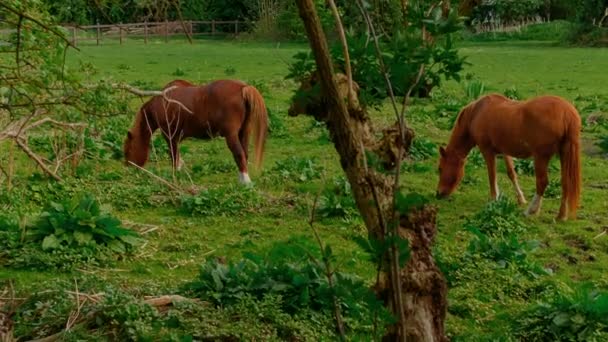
<point>521,199</point>
<point>234,144</point>
<point>542,180</point>
<point>244,139</point>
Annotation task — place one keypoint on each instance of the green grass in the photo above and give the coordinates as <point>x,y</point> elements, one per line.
<point>182,242</point>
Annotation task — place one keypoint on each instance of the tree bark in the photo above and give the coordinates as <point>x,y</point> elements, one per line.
<point>423,287</point>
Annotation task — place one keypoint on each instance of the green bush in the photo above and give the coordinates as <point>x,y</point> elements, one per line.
<point>119,315</point>
<point>554,31</point>
<point>579,316</point>
<point>337,201</point>
<point>293,271</point>
<point>66,235</point>
<point>497,219</point>
<point>403,53</point>
<point>297,169</point>
<point>222,201</point>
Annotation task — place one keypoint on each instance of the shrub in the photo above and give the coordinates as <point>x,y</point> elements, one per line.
<point>298,169</point>
<point>222,201</point>
<point>580,316</point>
<point>403,53</point>
<point>497,219</point>
<point>80,224</point>
<point>67,235</point>
<point>297,277</point>
<point>474,89</point>
<point>337,201</point>
<point>422,149</point>
<point>118,314</point>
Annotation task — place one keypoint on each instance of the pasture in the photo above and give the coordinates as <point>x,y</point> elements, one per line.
<point>300,162</point>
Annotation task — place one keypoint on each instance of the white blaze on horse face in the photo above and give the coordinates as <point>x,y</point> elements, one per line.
<point>534,207</point>
<point>244,178</point>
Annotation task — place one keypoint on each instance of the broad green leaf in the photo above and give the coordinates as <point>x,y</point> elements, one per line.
<point>50,242</point>
<point>83,238</point>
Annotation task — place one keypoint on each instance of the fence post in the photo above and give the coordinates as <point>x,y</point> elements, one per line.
<point>120,32</point>
<point>74,39</point>
<point>145,32</point>
<point>190,28</point>
<point>236,27</point>
<point>213,27</point>
<point>98,32</point>
<point>166,31</point>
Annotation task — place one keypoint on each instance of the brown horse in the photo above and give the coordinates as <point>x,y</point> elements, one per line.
<point>537,128</point>
<point>227,108</point>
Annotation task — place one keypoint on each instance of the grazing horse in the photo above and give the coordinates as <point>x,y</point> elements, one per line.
<point>227,108</point>
<point>539,128</point>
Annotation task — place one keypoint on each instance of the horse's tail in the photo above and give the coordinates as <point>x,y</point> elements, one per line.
<point>571,165</point>
<point>257,120</point>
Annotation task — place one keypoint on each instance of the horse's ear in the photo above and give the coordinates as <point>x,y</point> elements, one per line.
<point>129,135</point>
<point>442,151</point>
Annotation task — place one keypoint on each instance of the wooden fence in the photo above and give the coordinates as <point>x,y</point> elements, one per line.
<point>147,30</point>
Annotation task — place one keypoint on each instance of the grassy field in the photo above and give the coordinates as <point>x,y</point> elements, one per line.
<point>180,241</point>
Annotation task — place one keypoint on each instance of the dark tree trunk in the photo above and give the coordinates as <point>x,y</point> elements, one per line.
<point>423,287</point>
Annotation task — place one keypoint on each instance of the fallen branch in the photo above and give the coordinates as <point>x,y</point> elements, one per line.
<point>156,302</point>
<point>37,159</point>
<point>160,179</point>
<point>164,93</point>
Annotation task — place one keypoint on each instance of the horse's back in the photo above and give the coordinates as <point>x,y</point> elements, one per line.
<point>523,128</point>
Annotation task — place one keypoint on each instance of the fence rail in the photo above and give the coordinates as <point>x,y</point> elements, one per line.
<point>147,30</point>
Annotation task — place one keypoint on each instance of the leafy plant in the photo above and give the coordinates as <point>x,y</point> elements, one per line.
<point>221,201</point>
<point>474,89</point>
<point>229,71</point>
<point>498,218</point>
<point>178,72</point>
<point>298,279</point>
<point>297,169</point>
<point>81,223</point>
<point>513,93</point>
<point>337,201</point>
<point>422,149</point>
<point>66,235</point>
<point>579,316</point>
<point>403,53</point>
<point>554,188</point>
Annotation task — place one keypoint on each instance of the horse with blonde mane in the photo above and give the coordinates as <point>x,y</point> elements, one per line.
<point>539,128</point>
<point>228,108</point>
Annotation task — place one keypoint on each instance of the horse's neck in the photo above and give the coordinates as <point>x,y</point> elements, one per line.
<point>461,141</point>
<point>145,124</point>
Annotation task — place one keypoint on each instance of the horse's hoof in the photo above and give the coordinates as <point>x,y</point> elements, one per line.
<point>244,178</point>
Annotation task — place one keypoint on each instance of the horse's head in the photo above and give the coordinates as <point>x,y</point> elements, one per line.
<point>135,151</point>
<point>451,172</point>
<point>308,99</point>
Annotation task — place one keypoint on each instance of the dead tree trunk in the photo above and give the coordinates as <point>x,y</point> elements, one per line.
<point>423,287</point>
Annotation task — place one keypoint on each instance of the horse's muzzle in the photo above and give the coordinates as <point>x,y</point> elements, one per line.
<point>440,195</point>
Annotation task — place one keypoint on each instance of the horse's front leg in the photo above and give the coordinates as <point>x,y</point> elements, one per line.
<point>541,165</point>
<point>235,147</point>
<point>176,160</point>
<point>521,199</point>
<point>490,158</point>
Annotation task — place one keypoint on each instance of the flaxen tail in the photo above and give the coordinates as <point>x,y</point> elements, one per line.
<point>571,166</point>
<point>258,121</point>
